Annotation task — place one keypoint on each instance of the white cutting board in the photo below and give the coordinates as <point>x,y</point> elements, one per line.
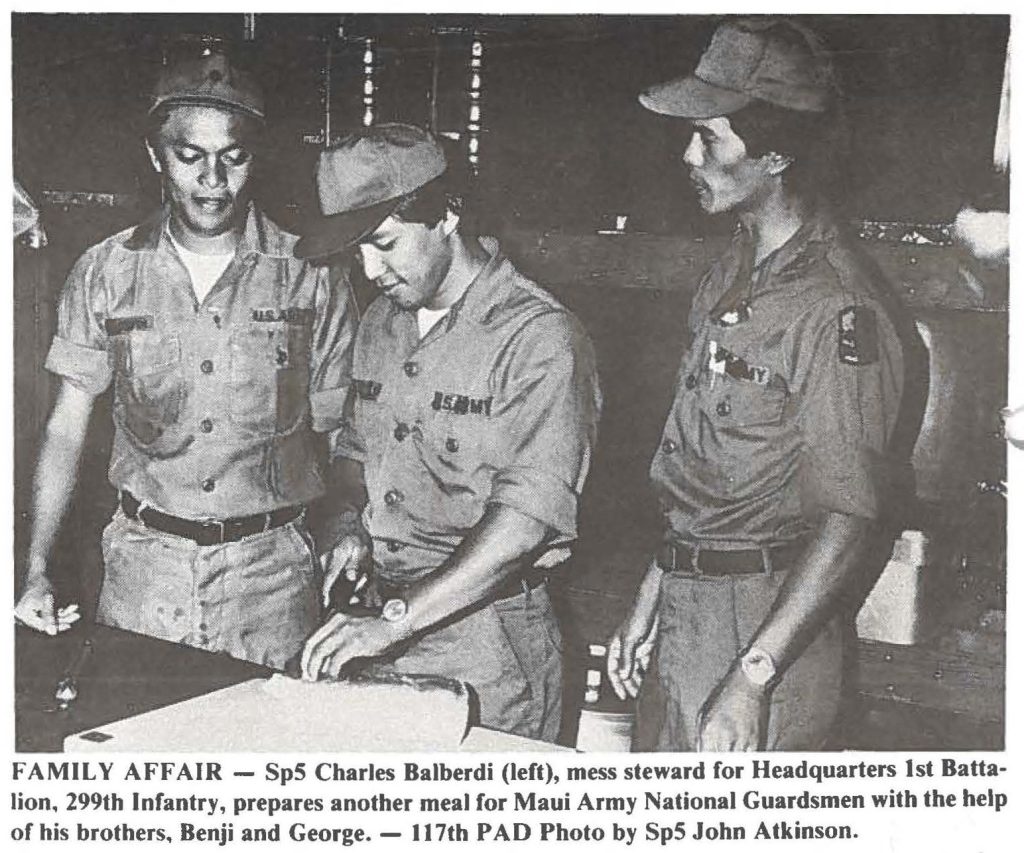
<point>282,714</point>
<point>286,715</point>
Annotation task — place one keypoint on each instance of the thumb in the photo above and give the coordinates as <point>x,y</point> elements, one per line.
<point>332,568</point>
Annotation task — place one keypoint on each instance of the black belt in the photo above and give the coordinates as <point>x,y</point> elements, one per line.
<point>685,558</point>
<point>208,532</point>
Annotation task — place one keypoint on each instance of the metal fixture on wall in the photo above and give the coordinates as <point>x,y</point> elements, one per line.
<point>474,124</point>
<point>369,57</point>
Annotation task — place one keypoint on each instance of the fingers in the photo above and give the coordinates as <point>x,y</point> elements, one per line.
<point>67,616</point>
<point>613,665</point>
<point>37,612</point>
<point>322,648</point>
<point>552,558</point>
<point>344,557</point>
<point>332,568</point>
<point>623,673</point>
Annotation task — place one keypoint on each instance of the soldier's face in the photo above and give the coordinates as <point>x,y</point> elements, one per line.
<point>204,157</point>
<point>724,176</point>
<point>407,260</point>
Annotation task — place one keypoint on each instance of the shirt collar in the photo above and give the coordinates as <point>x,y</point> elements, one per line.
<point>488,289</point>
<point>260,236</point>
<point>803,247</point>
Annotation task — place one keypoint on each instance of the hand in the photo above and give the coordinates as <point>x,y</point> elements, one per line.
<point>341,639</point>
<point>630,647</point>
<point>347,555</point>
<point>629,654</point>
<point>37,610</point>
<point>735,716</point>
<point>552,558</point>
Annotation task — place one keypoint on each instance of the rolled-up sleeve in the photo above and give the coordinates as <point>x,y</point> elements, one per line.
<point>849,372</point>
<point>552,406</point>
<point>78,352</point>
<point>334,330</point>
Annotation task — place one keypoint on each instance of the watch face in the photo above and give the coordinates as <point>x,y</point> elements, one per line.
<point>393,610</point>
<point>758,667</point>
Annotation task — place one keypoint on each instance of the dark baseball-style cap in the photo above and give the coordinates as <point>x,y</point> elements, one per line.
<point>775,60</point>
<point>363,178</point>
<point>209,80</point>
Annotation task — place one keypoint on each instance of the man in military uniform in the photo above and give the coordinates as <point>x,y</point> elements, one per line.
<point>773,463</point>
<point>227,356</point>
<point>475,408</point>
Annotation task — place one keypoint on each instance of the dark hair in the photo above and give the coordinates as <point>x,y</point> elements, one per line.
<point>814,141</point>
<point>429,204</point>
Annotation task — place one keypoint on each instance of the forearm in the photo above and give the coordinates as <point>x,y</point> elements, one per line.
<point>53,484</point>
<point>337,513</point>
<point>813,586</point>
<point>486,558</point>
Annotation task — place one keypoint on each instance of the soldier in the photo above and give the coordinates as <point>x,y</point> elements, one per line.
<point>773,463</point>
<point>475,409</point>
<point>227,357</point>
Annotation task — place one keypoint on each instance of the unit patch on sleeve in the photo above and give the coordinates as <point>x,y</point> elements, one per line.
<point>858,335</point>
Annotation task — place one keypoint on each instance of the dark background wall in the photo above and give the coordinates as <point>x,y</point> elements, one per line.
<point>564,143</point>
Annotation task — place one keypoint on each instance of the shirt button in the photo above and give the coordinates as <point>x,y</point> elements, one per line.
<point>452,445</point>
<point>393,497</point>
<point>206,366</point>
<point>209,484</point>
<point>206,425</point>
<point>669,446</point>
<point>411,369</point>
<point>216,320</point>
<point>202,627</point>
<point>723,408</point>
<point>691,382</point>
<point>401,431</point>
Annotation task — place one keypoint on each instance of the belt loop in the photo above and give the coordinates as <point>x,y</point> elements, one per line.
<point>266,521</point>
<point>220,524</point>
<point>526,588</point>
<point>766,559</point>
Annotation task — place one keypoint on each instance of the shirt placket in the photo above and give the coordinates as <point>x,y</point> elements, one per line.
<point>407,379</point>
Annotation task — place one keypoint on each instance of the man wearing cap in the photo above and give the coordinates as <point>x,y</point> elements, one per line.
<point>475,410</point>
<point>773,463</point>
<point>227,357</point>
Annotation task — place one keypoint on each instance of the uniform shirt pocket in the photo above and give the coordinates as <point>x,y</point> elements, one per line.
<point>149,391</point>
<point>748,425</point>
<point>749,404</point>
<point>270,377</point>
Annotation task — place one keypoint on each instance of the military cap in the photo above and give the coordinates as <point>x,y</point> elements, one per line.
<point>210,80</point>
<point>363,178</point>
<point>775,60</point>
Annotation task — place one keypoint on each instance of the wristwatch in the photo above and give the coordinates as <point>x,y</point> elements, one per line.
<point>758,667</point>
<point>394,610</point>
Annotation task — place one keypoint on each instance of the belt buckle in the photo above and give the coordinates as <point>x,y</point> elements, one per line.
<point>214,525</point>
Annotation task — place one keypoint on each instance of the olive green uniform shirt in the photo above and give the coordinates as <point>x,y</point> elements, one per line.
<point>215,404</point>
<point>787,398</point>
<point>498,403</point>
